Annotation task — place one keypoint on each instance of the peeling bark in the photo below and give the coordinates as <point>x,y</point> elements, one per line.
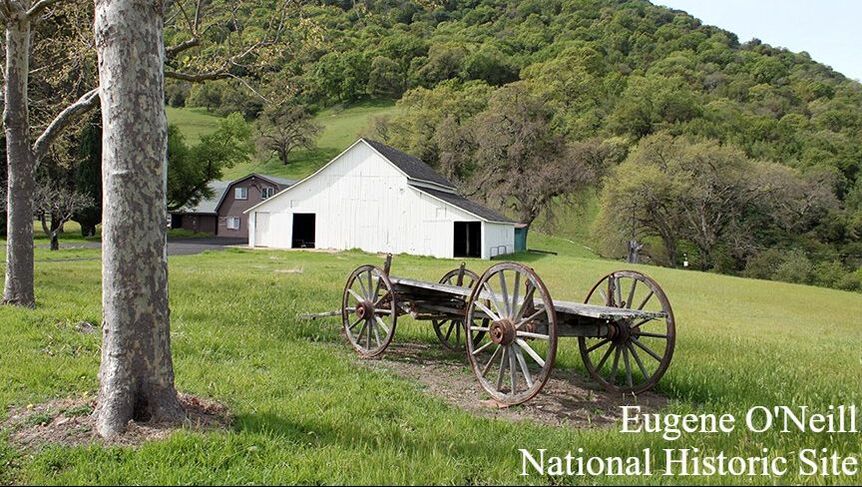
<point>21,165</point>
<point>136,374</point>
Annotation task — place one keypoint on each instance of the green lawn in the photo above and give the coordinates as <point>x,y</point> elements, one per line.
<point>341,127</point>
<point>308,413</point>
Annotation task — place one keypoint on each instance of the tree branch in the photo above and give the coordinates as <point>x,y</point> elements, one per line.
<point>198,77</point>
<point>39,6</point>
<point>172,51</point>
<point>66,117</point>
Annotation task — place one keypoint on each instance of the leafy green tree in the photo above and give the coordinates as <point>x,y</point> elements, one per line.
<point>191,169</point>
<point>286,127</point>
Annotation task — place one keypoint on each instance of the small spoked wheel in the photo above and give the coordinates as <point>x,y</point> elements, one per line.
<point>450,332</point>
<point>636,351</point>
<point>368,310</point>
<point>512,333</point>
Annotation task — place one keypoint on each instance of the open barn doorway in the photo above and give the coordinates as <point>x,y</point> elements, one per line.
<point>303,231</point>
<point>468,239</point>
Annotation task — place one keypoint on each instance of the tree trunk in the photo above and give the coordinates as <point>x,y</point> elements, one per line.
<point>21,167</point>
<point>136,374</point>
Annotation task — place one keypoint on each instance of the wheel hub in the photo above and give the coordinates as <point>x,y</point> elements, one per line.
<point>620,331</point>
<point>364,309</point>
<point>502,332</point>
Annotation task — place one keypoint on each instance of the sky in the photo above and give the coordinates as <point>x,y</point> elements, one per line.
<point>829,30</point>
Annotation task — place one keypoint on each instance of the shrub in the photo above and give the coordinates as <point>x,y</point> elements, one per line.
<point>796,268</point>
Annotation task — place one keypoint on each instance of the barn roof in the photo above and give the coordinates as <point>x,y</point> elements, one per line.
<point>413,167</point>
<point>469,206</point>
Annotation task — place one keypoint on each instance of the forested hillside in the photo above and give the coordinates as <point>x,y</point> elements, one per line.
<point>523,101</point>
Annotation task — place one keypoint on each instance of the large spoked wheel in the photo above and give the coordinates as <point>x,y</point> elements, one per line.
<point>451,331</point>
<point>368,310</point>
<point>636,352</point>
<point>512,333</point>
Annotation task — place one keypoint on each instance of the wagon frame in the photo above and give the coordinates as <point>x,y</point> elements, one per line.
<point>625,328</point>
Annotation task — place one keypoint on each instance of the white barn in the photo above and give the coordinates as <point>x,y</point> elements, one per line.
<point>378,199</point>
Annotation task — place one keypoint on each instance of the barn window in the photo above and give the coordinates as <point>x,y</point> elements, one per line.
<point>240,193</point>
<point>303,231</point>
<point>468,239</point>
<point>233,223</point>
<point>267,192</point>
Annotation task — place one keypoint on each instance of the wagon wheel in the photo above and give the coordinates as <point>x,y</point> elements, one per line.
<point>512,325</point>
<point>450,331</point>
<point>637,352</point>
<point>369,310</point>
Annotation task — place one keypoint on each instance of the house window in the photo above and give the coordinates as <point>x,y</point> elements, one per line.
<point>267,192</point>
<point>240,193</point>
<point>233,223</point>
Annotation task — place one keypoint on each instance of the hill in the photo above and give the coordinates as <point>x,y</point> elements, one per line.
<point>341,127</point>
<point>604,76</point>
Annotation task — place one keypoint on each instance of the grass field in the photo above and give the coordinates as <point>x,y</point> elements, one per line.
<point>341,127</point>
<point>308,412</point>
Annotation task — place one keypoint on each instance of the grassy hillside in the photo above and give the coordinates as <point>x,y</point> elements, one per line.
<point>341,127</point>
<point>308,411</point>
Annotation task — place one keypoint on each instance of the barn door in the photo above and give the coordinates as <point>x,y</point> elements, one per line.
<point>261,229</point>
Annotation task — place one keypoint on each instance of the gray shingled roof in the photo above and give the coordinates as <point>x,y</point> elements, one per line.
<point>466,205</point>
<point>413,167</point>
<point>209,205</point>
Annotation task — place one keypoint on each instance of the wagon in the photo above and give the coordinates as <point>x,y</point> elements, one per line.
<point>509,326</point>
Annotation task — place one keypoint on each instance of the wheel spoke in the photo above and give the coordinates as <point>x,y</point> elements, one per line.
<point>646,300</point>
<point>618,290</point>
<point>351,327</point>
<point>628,366</point>
<point>483,347</point>
<point>505,290</point>
<point>362,286</point>
<point>645,349</point>
<point>376,334</point>
<point>449,330</point>
<point>457,331</point>
<point>381,298</point>
<point>653,335</point>
<point>502,368</point>
<point>487,311</point>
<point>370,327</point>
<point>605,357</point>
<point>615,366</point>
<point>515,291</point>
<point>529,334</point>
<point>480,328</point>
<point>361,333</point>
<point>490,360</point>
<point>638,361</point>
<point>632,293</point>
<point>493,299</point>
<point>532,353</point>
<point>643,322</point>
<point>382,324</point>
<point>530,318</point>
<point>598,345</point>
<point>512,372</point>
<point>528,299</point>
<point>370,297</point>
<point>523,363</point>
<point>356,295</point>
<point>605,297</point>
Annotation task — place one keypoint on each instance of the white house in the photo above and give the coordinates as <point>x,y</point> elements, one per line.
<point>379,199</point>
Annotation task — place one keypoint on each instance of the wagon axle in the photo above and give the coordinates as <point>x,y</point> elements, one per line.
<point>503,332</point>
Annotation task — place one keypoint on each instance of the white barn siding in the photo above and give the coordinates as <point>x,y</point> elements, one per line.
<point>362,201</point>
<point>497,239</point>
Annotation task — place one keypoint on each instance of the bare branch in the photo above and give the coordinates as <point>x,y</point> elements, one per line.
<point>38,7</point>
<point>198,77</point>
<point>61,121</point>
<point>172,51</point>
